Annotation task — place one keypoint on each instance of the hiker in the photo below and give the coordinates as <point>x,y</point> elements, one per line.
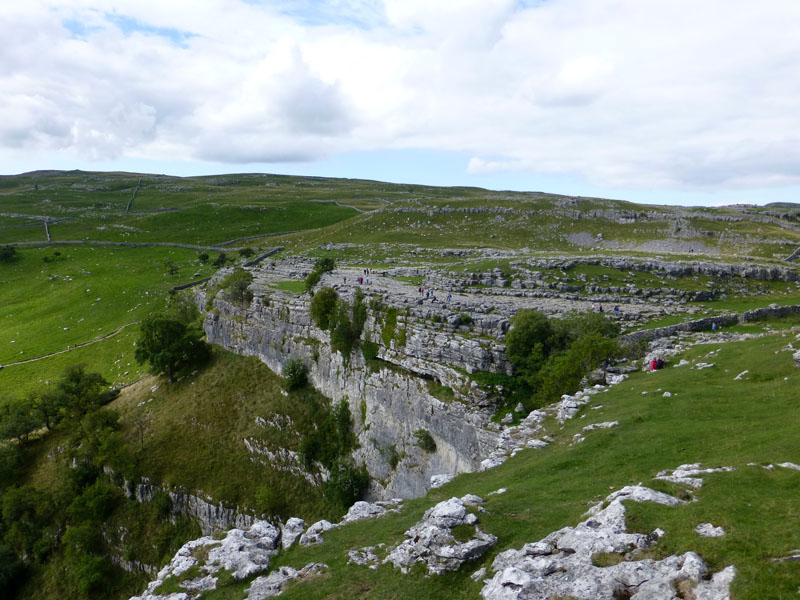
<point>653,365</point>
<point>601,308</point>
<point>449,297</point>
<point>616,311</point>
<point>714,326</point>
<point>660,363</point>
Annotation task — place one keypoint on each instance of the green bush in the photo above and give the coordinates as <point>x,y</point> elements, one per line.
<point>323,308</point>
<point>295,375</point>
<point>369,350</point>
<point>425,440</point>
<point>346,484</point>
<point>389,326</point>
<point>312,279</point>
<point>246,252</point>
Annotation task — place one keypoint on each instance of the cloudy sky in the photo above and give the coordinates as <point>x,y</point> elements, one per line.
<point>688,101</point>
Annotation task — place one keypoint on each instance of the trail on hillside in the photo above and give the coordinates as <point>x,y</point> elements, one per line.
<point>70,348</point>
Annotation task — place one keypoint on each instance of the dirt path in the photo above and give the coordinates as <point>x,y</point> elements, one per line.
<point>69,348</point>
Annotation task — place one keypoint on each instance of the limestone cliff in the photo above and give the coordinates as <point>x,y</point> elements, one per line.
<point>389,399</point>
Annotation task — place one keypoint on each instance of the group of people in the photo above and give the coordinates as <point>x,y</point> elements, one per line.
<point>600,309</point>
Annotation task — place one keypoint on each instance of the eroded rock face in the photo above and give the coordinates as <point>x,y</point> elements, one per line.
<point>241,553</point>
<point>561,564</point>
<point>387,405</point>
<point>431,541</point>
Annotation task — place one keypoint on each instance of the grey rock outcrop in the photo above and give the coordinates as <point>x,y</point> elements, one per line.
<point>210,517</point>
<point>272,585</point>
<point>431,540</point>
<point>560,565</point>
<point>292,531</point>
<point>240,553</point>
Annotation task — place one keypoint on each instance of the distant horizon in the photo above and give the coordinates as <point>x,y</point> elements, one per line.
<point>740,200</point>
<point>655,103</point>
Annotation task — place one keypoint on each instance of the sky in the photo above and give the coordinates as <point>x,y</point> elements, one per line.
<point>658,101</point>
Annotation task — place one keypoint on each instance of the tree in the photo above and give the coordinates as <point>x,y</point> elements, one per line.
<point>169,346</point>
<point>246,252</point>
<point>203,257</point>
<point>8,254</point>
<point>220,260</point>
<point>323,308</point>
<point>294,375</point>
<point>530,341</point>
<point>18,420</point>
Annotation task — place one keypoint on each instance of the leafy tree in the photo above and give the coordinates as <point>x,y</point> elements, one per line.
<point>169,346</point>
<point>346,484</point>
<point>220,260</point>
<point>18,420</point>
<point>311,280</point>
<point>246,252</point>
<point>8,254</point>
<point>325,265</point>
<point>95,503</point>
<point>530,341</point>
<point>240,292</point>
<point>203,257</point>
<point>323,308</point>
<point>48,405</point>
<point>294,375</point>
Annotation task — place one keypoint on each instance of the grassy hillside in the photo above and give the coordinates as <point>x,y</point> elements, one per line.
<point>709,418</point>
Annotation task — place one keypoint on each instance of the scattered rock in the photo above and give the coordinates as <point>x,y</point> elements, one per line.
<point>709,530</point>
<point>438,481</point>
<point>431,540</point>
<point>740,375</point>
<point>560,565</point>
<point>687,474</point>
<point>272,585</point>
<point>606,425</point>
<point>313,534</point>
<point>362,510</point>
<point>241,553</point>
<point>789,465</point>
<point>292,531</point>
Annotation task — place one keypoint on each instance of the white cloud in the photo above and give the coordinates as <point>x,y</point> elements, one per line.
<point>620,92</point>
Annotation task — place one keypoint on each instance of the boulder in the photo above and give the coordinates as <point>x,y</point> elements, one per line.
<point>292,531</point>
<point>272,585</point>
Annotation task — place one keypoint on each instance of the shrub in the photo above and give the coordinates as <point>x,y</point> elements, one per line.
<point>295,375</point>
<point>369,350</point>
<point>203,257</point>
<point>425,440</point>
<point>389,326</point>
<point>323,308</point>
<point>8,254</point>
<point>246,252</point>
<point>346,484</point>
<point>311,280</point>
<point>220,260</point>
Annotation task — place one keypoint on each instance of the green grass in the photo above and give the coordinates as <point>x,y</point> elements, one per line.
<point>293,285</point>
<point>198,425</point>
<point>88,292</point>
<point>710,419</point>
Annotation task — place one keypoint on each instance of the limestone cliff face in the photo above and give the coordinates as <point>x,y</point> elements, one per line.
<point>389,403</point>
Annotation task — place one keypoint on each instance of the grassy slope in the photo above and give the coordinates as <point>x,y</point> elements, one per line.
<point>710,418</point>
